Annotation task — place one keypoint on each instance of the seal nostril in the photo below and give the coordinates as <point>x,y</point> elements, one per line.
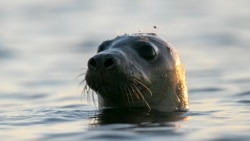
<point>92,63</point>
<point>108,62</point>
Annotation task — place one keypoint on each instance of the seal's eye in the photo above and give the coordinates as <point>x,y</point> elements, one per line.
<point>104,45</point>
<point>148,51</point>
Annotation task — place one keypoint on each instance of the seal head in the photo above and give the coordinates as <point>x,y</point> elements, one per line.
<point>138,70</point>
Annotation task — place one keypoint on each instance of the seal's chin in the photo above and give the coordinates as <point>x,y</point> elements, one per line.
<point>103,88</point>
<point>127,91</point>
<point>112,96</point>
<point>106,90</point>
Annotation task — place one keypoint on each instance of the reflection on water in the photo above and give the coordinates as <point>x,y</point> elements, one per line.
<point>45,45</point>
<point>136,116</point>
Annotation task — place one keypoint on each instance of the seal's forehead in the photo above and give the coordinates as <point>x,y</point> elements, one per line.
<point>131,38</point>
<point>139,36</point>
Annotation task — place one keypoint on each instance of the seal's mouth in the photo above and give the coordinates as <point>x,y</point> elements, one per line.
<point>123,91</point>
<point>105,89</point>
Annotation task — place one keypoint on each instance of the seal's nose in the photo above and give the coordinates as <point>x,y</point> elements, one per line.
<point>102,61</point>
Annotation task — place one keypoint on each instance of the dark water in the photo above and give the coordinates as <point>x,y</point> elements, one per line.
<point>45,45</point>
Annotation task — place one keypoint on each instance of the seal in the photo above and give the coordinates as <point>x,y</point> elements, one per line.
<point>138,70</point>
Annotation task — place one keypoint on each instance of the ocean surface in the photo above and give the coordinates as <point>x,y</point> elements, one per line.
<point>45,46</point>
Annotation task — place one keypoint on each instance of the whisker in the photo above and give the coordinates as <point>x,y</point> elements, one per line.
<point>82,82</point>
<point>82,94</point>
<point>134,92</point>
<point>142,97</point>
<point>126,93</point>
<point>79,75</point>
<point>144,86</point>
<point>83,91</point>
<point>93,97</point>
<point>86,92</point>
<point>129,92</point>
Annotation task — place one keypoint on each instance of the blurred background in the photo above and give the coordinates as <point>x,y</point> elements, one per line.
<point>45,45</point>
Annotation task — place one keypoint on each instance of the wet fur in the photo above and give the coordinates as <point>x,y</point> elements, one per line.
<point>133,86</point>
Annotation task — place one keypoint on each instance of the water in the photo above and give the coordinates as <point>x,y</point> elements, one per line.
<point>45,45</point>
